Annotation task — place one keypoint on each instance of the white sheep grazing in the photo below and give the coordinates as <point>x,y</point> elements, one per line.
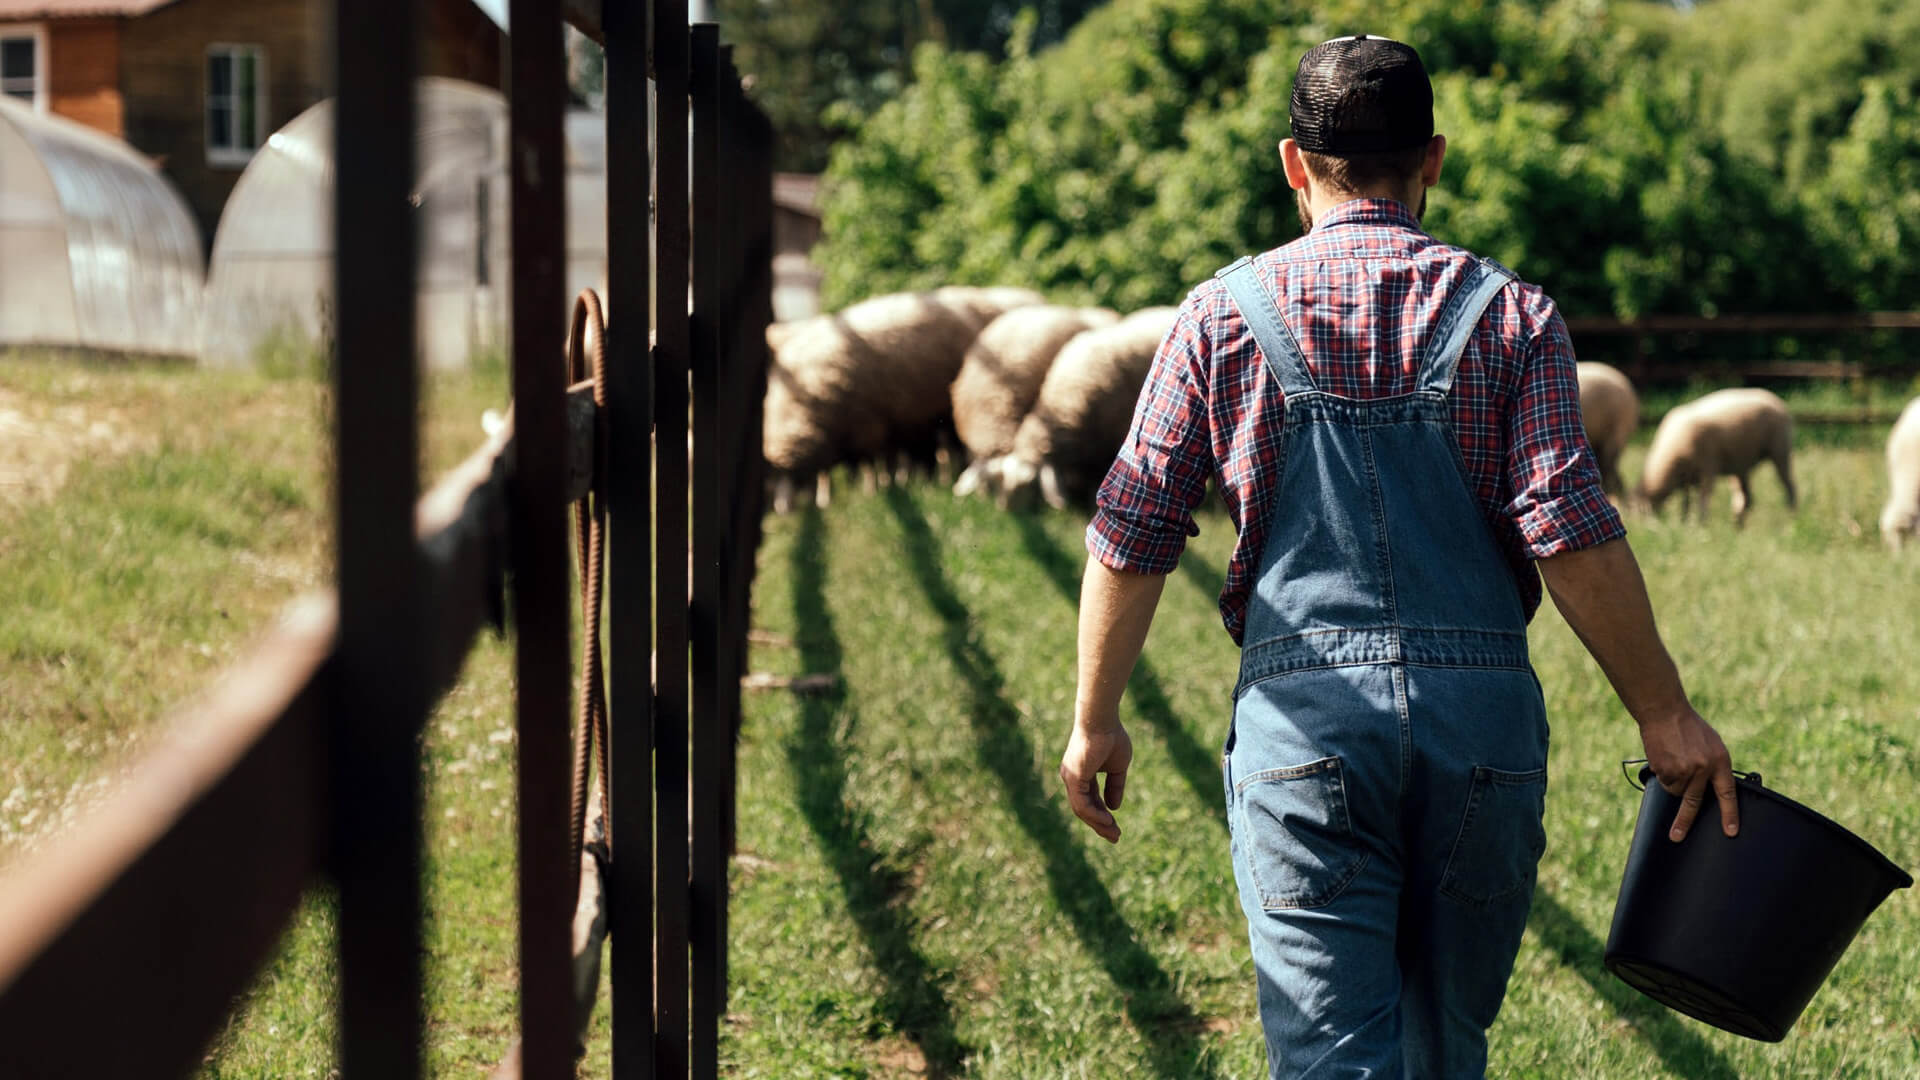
<point>1001,376</point>
<point>1068,442</point>
<point>984,303</point>
<point>1611,412</point>
<point>1725,433</point>
<point>1901,518</point>
<point>861,384</point>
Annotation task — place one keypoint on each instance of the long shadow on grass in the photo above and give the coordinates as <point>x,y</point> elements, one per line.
<point>913,1001</point>
<point>1153,1005</point>
<point>1202,574</point>
<point>1683,1051</point>
<point>1198,766</point>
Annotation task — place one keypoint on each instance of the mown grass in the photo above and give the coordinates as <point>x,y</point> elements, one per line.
<point>916,890</point>
<point>912,896</point>
<point>147,573</point>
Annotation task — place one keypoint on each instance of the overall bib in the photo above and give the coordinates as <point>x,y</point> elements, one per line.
<point>1386,768</point>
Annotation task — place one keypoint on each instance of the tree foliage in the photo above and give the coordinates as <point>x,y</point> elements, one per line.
<point>1746,155</point>
<point>803,57</point>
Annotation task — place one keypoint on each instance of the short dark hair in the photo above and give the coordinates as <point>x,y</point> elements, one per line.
<point>1354,173</point>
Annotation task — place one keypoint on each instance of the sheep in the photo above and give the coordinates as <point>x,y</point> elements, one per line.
<point>1001,376</point>
<point>1901,518</point>
<point>1725,433</point>
<point>981,304</point>
<point>871,380</point>
<point>1611,412</point>
<point>1068,442</point>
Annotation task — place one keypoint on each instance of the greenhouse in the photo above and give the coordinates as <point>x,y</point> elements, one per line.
<point>270,279</point>
<point>97,250</point>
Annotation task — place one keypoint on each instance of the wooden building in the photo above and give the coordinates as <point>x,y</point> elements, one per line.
<point>198,85</point>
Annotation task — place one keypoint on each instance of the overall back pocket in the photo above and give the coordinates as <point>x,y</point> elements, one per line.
<point>1502,835</point>
<point>1297,837</point>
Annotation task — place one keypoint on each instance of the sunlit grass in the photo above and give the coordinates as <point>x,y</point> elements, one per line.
<point>912,896</point>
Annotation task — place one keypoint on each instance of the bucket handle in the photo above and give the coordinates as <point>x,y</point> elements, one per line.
<point>1640,783</point>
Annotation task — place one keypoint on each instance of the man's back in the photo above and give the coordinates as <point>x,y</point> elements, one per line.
<point>1361,295</point>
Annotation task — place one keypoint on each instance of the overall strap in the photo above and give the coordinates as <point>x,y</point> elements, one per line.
<point>1457,322</point>
<point>1269,330</point>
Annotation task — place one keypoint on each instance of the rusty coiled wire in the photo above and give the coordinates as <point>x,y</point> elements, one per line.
<point>587,359</point>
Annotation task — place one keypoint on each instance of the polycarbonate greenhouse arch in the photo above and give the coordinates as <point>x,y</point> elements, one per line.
<point>97,249</point>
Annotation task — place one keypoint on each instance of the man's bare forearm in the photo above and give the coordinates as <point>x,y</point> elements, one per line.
<point>1604,599</point>
<point>1601,594</point>
<point>1116,608</point>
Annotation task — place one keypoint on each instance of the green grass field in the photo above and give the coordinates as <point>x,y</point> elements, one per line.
<point>911,896</point>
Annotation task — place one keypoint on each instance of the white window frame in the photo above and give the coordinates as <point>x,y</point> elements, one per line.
<point>38,33</point>
<point>234,156</point>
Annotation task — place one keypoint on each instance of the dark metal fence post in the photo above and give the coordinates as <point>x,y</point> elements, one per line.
<point>711,261</point>
<point>542,619</point>
<point>629,489</point>
<point>381,700</point>
<point>668,43</point>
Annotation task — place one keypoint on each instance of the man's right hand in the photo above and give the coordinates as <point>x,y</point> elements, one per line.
<point>1687,757</point>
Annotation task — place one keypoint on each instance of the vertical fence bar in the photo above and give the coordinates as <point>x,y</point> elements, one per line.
<point>753,135</point>
<point>711,259</point>
<point>380,697</point>
<point>629,488</point>
<point>542,622</point>
<point>668,41</point>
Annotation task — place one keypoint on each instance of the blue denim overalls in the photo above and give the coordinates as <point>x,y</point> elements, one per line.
<point>1386,769</point>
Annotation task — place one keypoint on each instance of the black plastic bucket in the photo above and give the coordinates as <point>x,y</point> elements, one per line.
<point>1740,931</point>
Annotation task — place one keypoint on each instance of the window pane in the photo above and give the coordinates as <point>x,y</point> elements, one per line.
<point>245,99</point>
<point>245,134</point>
<point>219,74</point>
<point>219,125</point>
<point>16,58</point>
<point>25,95</point>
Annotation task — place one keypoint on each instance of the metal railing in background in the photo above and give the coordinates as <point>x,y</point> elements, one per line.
<point>303,762</point>
<point>1646,367</point>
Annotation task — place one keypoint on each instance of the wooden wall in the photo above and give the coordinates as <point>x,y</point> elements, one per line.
<point>163,76</point>
<point>83,71</point>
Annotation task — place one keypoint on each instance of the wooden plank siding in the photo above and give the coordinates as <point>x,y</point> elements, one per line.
<point>163,79</point>
<point>163,76</point>
<point>83,73</point>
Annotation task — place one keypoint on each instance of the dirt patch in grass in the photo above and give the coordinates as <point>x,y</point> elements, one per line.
<point>40,439</point>
<point>899,1057</point>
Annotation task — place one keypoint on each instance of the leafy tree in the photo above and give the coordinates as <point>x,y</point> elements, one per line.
<point>1595,146</point>
<point>804,57</point>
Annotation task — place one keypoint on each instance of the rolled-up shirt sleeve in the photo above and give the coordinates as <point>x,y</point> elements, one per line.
<point>1557,504</point>
<point>1144,508</point>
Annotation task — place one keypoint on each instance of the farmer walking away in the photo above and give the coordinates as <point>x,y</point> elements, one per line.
<point>1395,426</point>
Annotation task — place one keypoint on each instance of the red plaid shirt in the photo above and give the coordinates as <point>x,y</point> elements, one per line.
<point>1360,292</point>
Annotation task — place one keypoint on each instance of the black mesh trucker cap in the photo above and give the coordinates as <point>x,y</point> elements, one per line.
<point>1360,95</point>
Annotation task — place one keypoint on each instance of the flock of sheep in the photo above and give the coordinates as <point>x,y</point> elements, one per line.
<point>1728,433</point>
<point>1040,397</point>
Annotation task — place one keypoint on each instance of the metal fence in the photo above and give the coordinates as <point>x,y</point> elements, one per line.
<point>302,764</point>
<point>1672,349</point>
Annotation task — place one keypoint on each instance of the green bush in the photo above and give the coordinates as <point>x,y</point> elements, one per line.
<point>1617,151</point>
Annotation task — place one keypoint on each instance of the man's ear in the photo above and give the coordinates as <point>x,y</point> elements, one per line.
<point>1294,164</point>
<point>1436,155</point>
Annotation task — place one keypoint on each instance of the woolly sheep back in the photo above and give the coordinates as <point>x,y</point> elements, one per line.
<point>1000,377</point>
<point>1086,402</point>
<point>1901,518</point>
<point>1610,411</point>
<point>852,385</point>
<point>1725,433</point>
